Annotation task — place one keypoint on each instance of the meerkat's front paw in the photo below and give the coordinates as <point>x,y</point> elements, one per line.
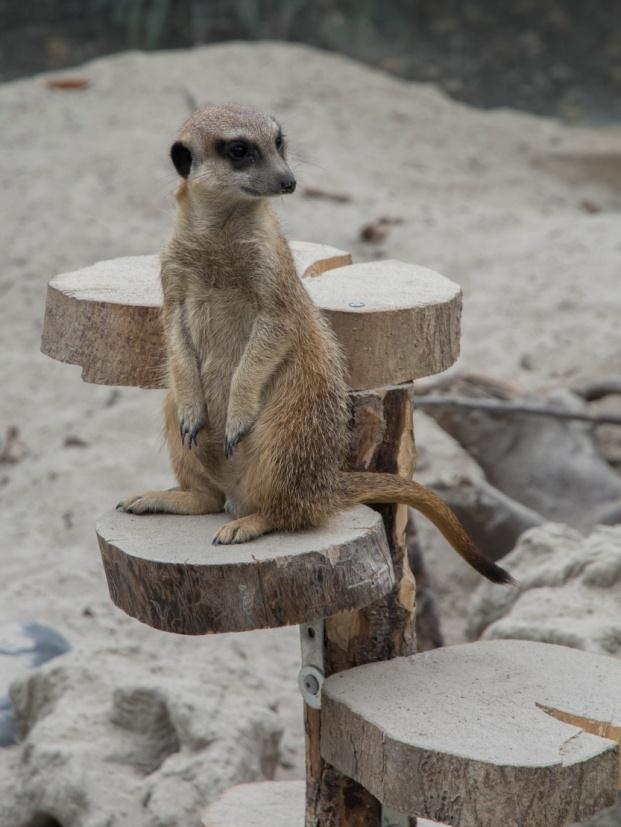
<point>242,530</point>
<point>139,504</point>
<point>192,420</point>
<point>236,430</point>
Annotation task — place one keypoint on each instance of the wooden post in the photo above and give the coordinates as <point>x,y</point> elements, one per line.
<point>382,440</point>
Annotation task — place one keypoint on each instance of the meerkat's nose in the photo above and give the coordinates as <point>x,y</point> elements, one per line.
<point>288,184</point>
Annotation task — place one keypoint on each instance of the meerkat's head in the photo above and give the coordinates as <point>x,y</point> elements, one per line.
<point>234,152</point>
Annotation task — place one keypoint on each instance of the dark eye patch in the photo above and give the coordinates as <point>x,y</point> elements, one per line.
<point>239,152</point>
<point>280,143</point>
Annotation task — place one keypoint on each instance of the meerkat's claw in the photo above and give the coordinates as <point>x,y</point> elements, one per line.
<point>191,431</point>
<point>128,504</point>
<point>194,434</point>
<point>231,442</point>
<point>230,445</point>
<point>151,502</point>
<point>137,505</point>
<point>230,534</point>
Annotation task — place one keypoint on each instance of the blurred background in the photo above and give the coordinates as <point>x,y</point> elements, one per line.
<point>480,139</point>
<point>558,57</point>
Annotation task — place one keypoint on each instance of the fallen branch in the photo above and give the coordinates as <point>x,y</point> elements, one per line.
<point>513,408</point>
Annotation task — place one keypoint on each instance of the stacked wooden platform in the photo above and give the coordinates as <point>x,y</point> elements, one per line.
<point>277,580</point>
<point>491,734</point>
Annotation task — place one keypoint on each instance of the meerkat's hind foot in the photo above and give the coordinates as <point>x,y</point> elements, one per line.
<point>172,502</point>
<point>243,530</point>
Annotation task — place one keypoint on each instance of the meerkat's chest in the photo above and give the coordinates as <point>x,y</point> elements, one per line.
<point>219,321</point>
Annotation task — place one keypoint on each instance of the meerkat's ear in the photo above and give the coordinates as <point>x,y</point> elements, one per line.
<point>181,157</point>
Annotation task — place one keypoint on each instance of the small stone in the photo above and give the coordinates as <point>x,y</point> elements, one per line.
<point>374,232</point>
<point>73,441</point>
<point>589,206</point>
<point>12,448</point>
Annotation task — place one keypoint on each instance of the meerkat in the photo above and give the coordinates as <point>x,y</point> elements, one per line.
<point>256,417</point>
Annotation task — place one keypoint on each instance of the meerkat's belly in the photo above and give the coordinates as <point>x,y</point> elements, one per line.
<point>220,328</point>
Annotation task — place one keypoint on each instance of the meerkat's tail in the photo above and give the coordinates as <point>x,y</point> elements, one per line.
<point>389,488</point>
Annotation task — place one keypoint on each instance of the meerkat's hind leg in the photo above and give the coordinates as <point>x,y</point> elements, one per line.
<point>243,530</point>
<point>173,502</point>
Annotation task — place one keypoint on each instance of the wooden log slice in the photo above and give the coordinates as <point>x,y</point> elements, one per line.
<point>314,259</point>
<point>106,318</point>
<point>501,732</point>
<point>164,571</point>
<point>395,321</point>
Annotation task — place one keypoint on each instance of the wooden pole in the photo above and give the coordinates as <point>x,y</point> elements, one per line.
<point>382,440</point>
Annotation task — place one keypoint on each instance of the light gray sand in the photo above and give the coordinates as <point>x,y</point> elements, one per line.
<point>492,200</point>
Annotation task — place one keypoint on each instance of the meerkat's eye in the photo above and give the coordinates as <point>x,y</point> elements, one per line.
<point>280,143</point>
<point>240,153</point>
<point>238,150</point>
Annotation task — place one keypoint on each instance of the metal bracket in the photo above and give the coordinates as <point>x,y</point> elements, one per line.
<point>391,818</point>
<point>311,675</point>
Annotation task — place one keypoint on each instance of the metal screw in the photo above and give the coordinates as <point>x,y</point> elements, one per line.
<point>310,680</point>
<point>311,684</point>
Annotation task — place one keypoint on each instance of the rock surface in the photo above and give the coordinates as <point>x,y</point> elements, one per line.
<point>550,465</point>
<point>443,465</point>
<point>570,591</point>
<point>165,739</point>
<point>609,436</point>
<point>22,647</point>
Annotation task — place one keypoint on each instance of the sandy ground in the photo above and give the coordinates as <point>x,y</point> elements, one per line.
<point>521,211</point>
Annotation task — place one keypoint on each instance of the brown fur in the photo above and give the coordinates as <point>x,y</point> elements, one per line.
<point>254,370</point>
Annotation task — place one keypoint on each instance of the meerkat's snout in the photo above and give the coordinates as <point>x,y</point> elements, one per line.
<point>288,184</point>
<point>235,150</point>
